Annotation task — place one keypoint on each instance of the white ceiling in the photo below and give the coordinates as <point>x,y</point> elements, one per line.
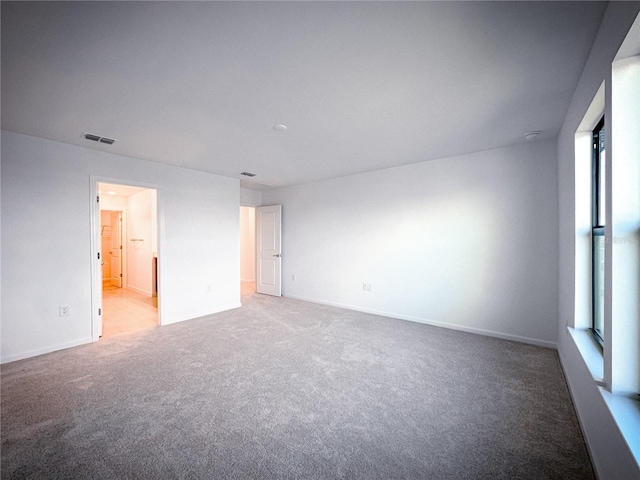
<point>361,86</point>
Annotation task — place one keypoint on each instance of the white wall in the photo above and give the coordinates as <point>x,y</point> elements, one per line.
<point>610,454</point>
<point>198,246</point>
<point>250,198</point>
<point>139,240</point>
<point>467,242</point>
<point>248,244</point>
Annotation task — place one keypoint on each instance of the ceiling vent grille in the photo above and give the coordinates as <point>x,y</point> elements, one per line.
<point>98,138</point>
<point>91,136</point>
<point>248,174</point>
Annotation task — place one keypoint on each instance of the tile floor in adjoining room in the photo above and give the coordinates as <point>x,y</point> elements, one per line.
<point>247,288</point>
<point>125,310</point>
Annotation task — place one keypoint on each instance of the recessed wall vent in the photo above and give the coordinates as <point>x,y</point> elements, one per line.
<point>248,174</point>
<point>98,138</point>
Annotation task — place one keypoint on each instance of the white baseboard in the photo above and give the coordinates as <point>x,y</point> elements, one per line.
<point>461,328</point>
<point>42,351</point>
<point>148,293</point>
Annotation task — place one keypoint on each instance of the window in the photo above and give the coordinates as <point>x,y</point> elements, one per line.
<point>598,220</point>
<point>608,164</point>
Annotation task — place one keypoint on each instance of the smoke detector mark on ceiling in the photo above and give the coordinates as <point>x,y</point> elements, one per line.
<point>98,138</point>
<point>532,135</point>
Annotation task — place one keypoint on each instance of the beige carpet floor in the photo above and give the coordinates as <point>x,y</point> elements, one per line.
<point>286,389</point>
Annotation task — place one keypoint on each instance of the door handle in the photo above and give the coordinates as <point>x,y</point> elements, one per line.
<point>278,255</point>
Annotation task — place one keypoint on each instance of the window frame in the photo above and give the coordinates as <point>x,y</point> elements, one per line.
<point>598,219</point>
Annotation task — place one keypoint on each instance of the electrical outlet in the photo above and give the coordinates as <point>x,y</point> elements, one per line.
<point>367,287</point>
<point>208,288</point>
<point>63,310</point>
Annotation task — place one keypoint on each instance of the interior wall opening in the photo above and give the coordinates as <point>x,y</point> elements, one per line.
<point>247,250</point>
<point>129,253</point>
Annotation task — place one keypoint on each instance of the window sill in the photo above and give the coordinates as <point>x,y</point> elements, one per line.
<point>626,413</point>
<point>591,353</point>
<point>625,410</point>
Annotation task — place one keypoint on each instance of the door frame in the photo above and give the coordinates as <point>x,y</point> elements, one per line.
<point>96,269</point>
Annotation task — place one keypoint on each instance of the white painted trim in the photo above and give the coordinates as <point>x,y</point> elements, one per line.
<point>96,273</point>
<point>48,349</point>
<point>478,331</point>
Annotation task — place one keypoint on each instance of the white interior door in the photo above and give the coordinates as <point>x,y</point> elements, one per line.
<point>268,250</point>
<point>116,249</point>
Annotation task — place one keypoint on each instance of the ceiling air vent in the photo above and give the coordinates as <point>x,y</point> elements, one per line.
<point>98,138</point>
<point>248,174</point>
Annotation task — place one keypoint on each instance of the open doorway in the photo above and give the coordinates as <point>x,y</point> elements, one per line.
<point>247,251</point>
<point>128,250</point>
